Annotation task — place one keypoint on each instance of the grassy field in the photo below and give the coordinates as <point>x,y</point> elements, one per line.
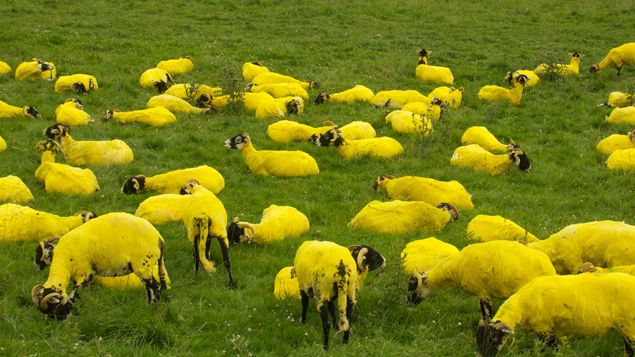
<point>338,44</point>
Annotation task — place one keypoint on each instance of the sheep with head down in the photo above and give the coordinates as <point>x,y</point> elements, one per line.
<point>617,58</point>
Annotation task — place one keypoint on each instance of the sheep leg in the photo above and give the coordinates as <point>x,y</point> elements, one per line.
<point>224,247</point>
<point>487,312</point>
<point>305,305</point>
<point>628,347</point>
<point>197,262</point>
<point>549,341</point>
<point>324,313</point>
<point>349,312</point>
<point>619,69</point>
<point>331,306</point>
<point>153,290</point>
<point>73,297</point>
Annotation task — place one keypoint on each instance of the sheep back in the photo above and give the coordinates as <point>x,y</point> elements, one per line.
<point>400,217</point>
<point>13,189</point>
<point>487,228</point>
<point>424,254</point>
<point>413,188</point>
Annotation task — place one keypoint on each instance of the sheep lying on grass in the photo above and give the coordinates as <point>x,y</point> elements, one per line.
<point>486,228</point>
<point>354,130</point>
<point>617,142</point>
<point>279,107</point>
<point>286,131</point>
<point>618,100</point>
<point>424,254</point>
<point>157,116</point>
<point>87,251</point>
<point>488,270</point>
<point>622,160</point>
<point>21,223</point>
<point>270,162</point>
<point>4,68</point>
<point>78,83</point>
<point>35,69</point>
<point>277,223</point>
<point>624,115</point>
<point>272,77</point>
<point>252,101</point>
<point>251,69</point>
<point>405,122</point>
<point>160,209</point>
<point>332,275</point>
<point>433,109</point>
<point>10,111</point>
<point>172,181</point>
<point>532,77</point>
<point>193,92</point>
<point>175,105</point>
<point>177,66</point>
<point>100,153</point>
<point>617,58</point>
<point>279,90</point>
<point>413,188</point>
<point>450,95</point>
<point>492,93</point>
<point>485,139</point>
<point>428,73</point>
<point>382,147</point>
<point>155,78</point>
<point>13,189</point>
<point>403,217</point>
<point>565,305</point>
<point>62,178</point>
<point>358,93</point>
<point>396,99</point>
<point>571,69</point>
<point>475,157</point>
<point>72,113</point>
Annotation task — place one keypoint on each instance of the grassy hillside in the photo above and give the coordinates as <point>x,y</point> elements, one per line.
<point>338,44</point>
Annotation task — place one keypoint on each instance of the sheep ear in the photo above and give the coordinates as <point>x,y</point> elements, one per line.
<point>361,259</point>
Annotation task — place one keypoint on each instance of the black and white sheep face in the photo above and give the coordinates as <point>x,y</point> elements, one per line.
<point>134,184</point>
<point>333,137</point>
<point>491,337</point>
<point>293,106</point>
<point>31,112</point>
<point>161,86</point>
<point>367,258</point>
<point>79,88</point>
<point>51,302</point>
<point>86,215</point>
<point>237,142</point>
<point>380,180</point>
<point>322,98</point>
<point>188,188</point>
<point>47,145</point>
<point>454,213</point>
<point>520,159</point>
<point>418,288</point>
<point>43,66</point>
<point>57,131</point>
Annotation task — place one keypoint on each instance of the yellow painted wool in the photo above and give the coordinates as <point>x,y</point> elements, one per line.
<point>615,142</point>
<point>382,147</point>
<point>424,254</point>
<point>30,70</point>
<point>434,74</point>
<point>358,93</point>
<point>396,99</point>
<point>624,115</point>
<point>4,68</point>
<point>358,130</point>
<point>428,110</point>
<point>21,223</point>
<point>475,157</point>
<point>277,107</point>
<point>492,93</point>
<point>150,78</point>
<point>617,58</point>
<point>405,122</point>
<point>156,116</point>
<point>50,74</point>
<point>130,281</point>
<point>11,111</point>
<point>63,178</point>
<point>622,160</point>
<point>286,285</point>
<point>251,69</point>
<point>3,144</point>
<point>571,69</point>
<point>175,105</point>
<point>286,131</point>
<point>532,77</point>
<point>414,188</point>
<point>484,138</point>
<point>619,100</point>
<point>13,189</point>
<point>278,90</point>
<point>172,181</point>
<point>65,83</point>
<point>452,96</point>
<point>487,228</point>
<point>71,113</point>
<point>400,217</point>
<point>193,92</point>
<point>176,66</point>
<point>98,153</point>
<point>252,101</point>
<point>164,208</point>
<point>277,223</point>
<point>279,163</point>
<point>272,77</point>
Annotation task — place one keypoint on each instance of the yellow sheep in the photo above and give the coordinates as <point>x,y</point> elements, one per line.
<point>618,100</point>
<point>277,223</point>
<point>286,284</point>
<point>624,115</point>
<point>492,93</point>
<point>358,93</point>
<point>270,162</point>
<point>173,181</point>
<point>71,113</point>
<point>155,78</point>
<point>21,223</point>
<point>413,188</point>
<point>156,116</point>
<point>78,83</point>
<point>403,217</point>
<point>175,105</point>
<point>424,254</point>
<point>617,142</point>
<point>485,139</point>
<point>617,58</point>
<point>450,95</point>
<point>160,209</point>
<point>34,69</point>
<point>405,122</point>
<point>396,99</point>
<point>100,153</point>
<point>280,107</point>
<point>279,90</point>
<point>251,69</point>
<point>13,189</point>
<point>571,69</point>
<point>622,160</point>
<point>62,178</point>
<point>487,228</point>
<point>193,92</point>
<point>272,77</point>
<point>476,158</point>
<point>428,73</point>
<point>286,131</point>
<point>4,68</point>
<point>3,144</point>
<point>177,66</point>
<point>432,110</point>
<point>532,77</point>
<point>10,111</point>
<point>252,101</point>
<point>590,268</point>
<point>382,147</point>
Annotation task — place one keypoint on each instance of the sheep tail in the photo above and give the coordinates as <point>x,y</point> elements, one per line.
<point>341,305</point>
<point>204,223</point>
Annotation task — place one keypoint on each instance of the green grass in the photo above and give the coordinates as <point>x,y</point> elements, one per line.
<point>337,44</point>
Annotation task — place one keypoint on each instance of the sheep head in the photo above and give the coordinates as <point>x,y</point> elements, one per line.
<point>238,232</point>
<point>238,142</point>
<point>188,188</point>
<point>594,69</point>
<point>418,288</point>
<point>490,338</point>
<point>57,131</point>
<point>333,137</point>
<point>78,103</point>
<point>44,253</point>
<point>79,88</point>
<point>631,135</point>
<point>322,98</point>
<point>423,53</point>
<point>108,115</point>
<point>43,66</point>
<point>454,213</point>
<point>86,215</point>
<point>521,79</point>
<point>509,77</point>
<point>204,101</point>
<point>381,181</point>
<point>576,54</point>
<point>314,85</point>
<point>135,184</point>
<point>52,302</point>
<point>367,258</point>
<point>520,159</point>
<point>293,105</point>
<point>30,111</point>
<point>161,86</point>
<point>47,145</point>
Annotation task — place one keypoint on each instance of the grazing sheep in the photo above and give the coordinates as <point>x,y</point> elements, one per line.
<point>488,270</point>
<point>193,92</point>
<point>450,95</point>
<point>175,105</point>
<point>413,188</point>
<point>424,254</point>
<point>160,209</point>
<point>279,90</point>
<point>277,223</point>
<point>172,181</point>
<point>34,69</point>
<point>72,113</point>
<point>602,243</point>
<point>616,58</point>
<point>270,162</point>
<point>87,251</point>
<point>617,142</point>
<point>22,223</point>
<point>78,83</point>
<point>62,178</point>
<point>155,78</point>
<point>10,111</point>
<point>486,228</point>
<point>280,107</point>
<point>492,93</point>
<point>476,158</point>
<point>286,284</point>
<point>571,69</point>
<point>251,69</point>
<point>396,99</point>
<point>100,153</point>
<point>358,93</point>
<point>179,65</point>
<point>4,68</point>
<point>565,305</point>
<point>618,100</point>
<point>622,160</point>
<point>532,77</point>
<point>272,77</point>
<point>428,73</point>
<point>404,217</point>
<point>405,122</point>
<point>156,116</point>
<point>13,189</point>
<point>432,110</point>
<point>485,139</point>
<point>382,147</point>
<point>332,275</point>
<point>624,115</point>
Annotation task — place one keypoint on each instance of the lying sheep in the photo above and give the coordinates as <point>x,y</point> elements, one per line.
<point>396,99</point>
<point>179,65</point>
<point>251,69</point>
<point>71,113</point>
<point>62,178</point>
<point>286,284</point>
<point>277,223</point>
<point>382,147</point>
<point>617,142</point>
<point>272,77</point>
<point>286,131</point>
<point>279,107</point>
<point>358,93</point>
<point>565,305</point>
<point>10,111</point>
<point>617,58</point>
<point>489,270</point>
<point>270,162</point>
<point>175,105</point>
<point>622,160</point>
<point>35,69</point>
<point>100,153</point>
<point>252,101</point>
<point>78,83</point>
<point>4,68</point>
<point>157,116</point>
<point>331,274</point>
<point>485,139</point>
<point>428,73</point>
<point>354,130</point>
<point>85,252</point>
<point>13,189</point>
<point>405,122</point>
<point>155,78</point>
<point>624,115</point>
<point>3,144</point>
<point>450,95</point>
<point>193,92</point>
<point>486,228</point>
<point>413,188</point>
<point>532,77</point>
<point>476,158</point>
<point>571,69</point>
<point>21,223</point>
<point>397,216</point>
<point>424,254</point>
<point>433,109</point>
<point>618,100</point>
<point>160,209</point>
<point>492,93</point>
<point>172,181</point>
<point>279,90</point>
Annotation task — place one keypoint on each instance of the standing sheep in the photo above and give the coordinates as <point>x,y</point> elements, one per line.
<point>397,217</point>
<point>277,223</point>
<point>617,58</point>
<point>160,209</point>
<point>413,188</point>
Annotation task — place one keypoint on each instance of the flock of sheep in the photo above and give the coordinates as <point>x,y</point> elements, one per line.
<point>509,263</point>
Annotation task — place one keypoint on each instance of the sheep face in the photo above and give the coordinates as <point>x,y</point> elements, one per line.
<point>454,213</point>
<point>490,338</point>
<point>418,288</point>
<point>238,232</point>
<point>57,131</point>
<point>43,66</point>
<point>367,258</point>
<point>594,69</point>
<point>134,184</point>
<point>86,215</point>
<point>52,302</point>
<point>380,181</point>
<point>78,103</point>
<point>522,79</point>
<point>204,101</point>
<point>30,111</point>
<point>161,86</point>
<point>44,253</point>
<point>520,159</point>
<point>47,145</point>
<point>322,98</point>
<point>237,142</point>
<point>108,115</point>
<point>424,53</point>
<point>188,188</point>
<point>333,137</point>
<point>293,106</point>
